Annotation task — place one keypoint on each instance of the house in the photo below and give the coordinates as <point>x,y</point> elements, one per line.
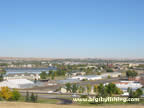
<point>63,90</point>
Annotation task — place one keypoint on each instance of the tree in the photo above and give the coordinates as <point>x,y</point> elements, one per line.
<point>43,75</point>
<point>3,71</point>
<point>68,87</point>
<point>128,89</point>
<point>74,88</point>
<point>131,93</point>
<point>135,94</point>
<point>138,93</point>
<point>6,93</point>
<point>1,77</point>
<point>131,73</point>
<point>53,76</point>
<point>33,98</point>
<point>15,95</point>
<point>50,72</point>
<point>100,87</point>
<point>111,89</point>
<point>27,98</point>
<point>88,88</point>
<point>81,89</point>
<point>95,89</point>
<point>119,91</point>
<point>102,92</point>
<point>36,98</point>
<point>109,70</point>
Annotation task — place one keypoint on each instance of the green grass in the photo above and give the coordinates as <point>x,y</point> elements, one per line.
<point>41,100</point>
<point>48,101</point>
<point>58,77</point>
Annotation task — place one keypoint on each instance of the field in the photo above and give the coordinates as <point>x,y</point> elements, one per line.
<point>38,105</point>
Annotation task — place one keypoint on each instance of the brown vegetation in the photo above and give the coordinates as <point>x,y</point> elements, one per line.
<point>38,105</point>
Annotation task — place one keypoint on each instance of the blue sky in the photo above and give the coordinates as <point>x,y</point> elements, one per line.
<point>72,28</point>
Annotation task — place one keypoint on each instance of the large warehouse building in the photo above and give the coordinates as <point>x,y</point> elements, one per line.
<point>17,83</point>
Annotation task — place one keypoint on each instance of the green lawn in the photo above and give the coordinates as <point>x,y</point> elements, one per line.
<point>58,77</point>
<point>42,100</point>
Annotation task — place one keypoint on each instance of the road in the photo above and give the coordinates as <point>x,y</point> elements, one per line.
<point>61,98</point>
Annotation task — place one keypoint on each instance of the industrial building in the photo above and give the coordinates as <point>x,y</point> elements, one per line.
<point>17,83</point>
<point>124,85</point>
<point>87,77</point>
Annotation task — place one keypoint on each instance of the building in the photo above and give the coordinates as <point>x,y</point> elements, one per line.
<point>30,76</point>
<point>133,65</point>
<point>63,90</point>
<point>17,83</point>
<point>111,74</point>
<point>74,73</point>
<point>124,85</point>
<point>69,80</point>
<point>93,77</point>
<point>51,83</point>
<point>87,77</point>
<point>137,78</point>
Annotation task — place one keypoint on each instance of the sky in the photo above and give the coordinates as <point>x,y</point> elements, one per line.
<point>72,28</point>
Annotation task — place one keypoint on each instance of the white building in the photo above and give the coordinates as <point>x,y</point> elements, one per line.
<point>72,74</point>
<point>78,78</point>
<point>17,83</point>
<point>93,77</point>
<point>30,76</point>
<point>63,90</point>
<point>113,75</point>
<point>124,85</point>
<point>97,77</point>
<point>88,77</point>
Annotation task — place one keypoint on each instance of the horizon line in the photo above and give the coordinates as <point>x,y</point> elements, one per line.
<point>108,58</point>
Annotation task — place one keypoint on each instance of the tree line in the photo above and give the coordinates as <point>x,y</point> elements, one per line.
<point>99,90</point>
<point>7,94</point>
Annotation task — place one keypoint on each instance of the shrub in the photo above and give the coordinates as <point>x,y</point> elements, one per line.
<point>15,95</point>
<point>6,93</point>
<point>84,96</point>
<point>33,98</point>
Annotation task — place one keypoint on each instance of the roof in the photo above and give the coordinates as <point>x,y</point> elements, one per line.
<point>17,83</point>
<point>20,74</point>
<point>20,81</point>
